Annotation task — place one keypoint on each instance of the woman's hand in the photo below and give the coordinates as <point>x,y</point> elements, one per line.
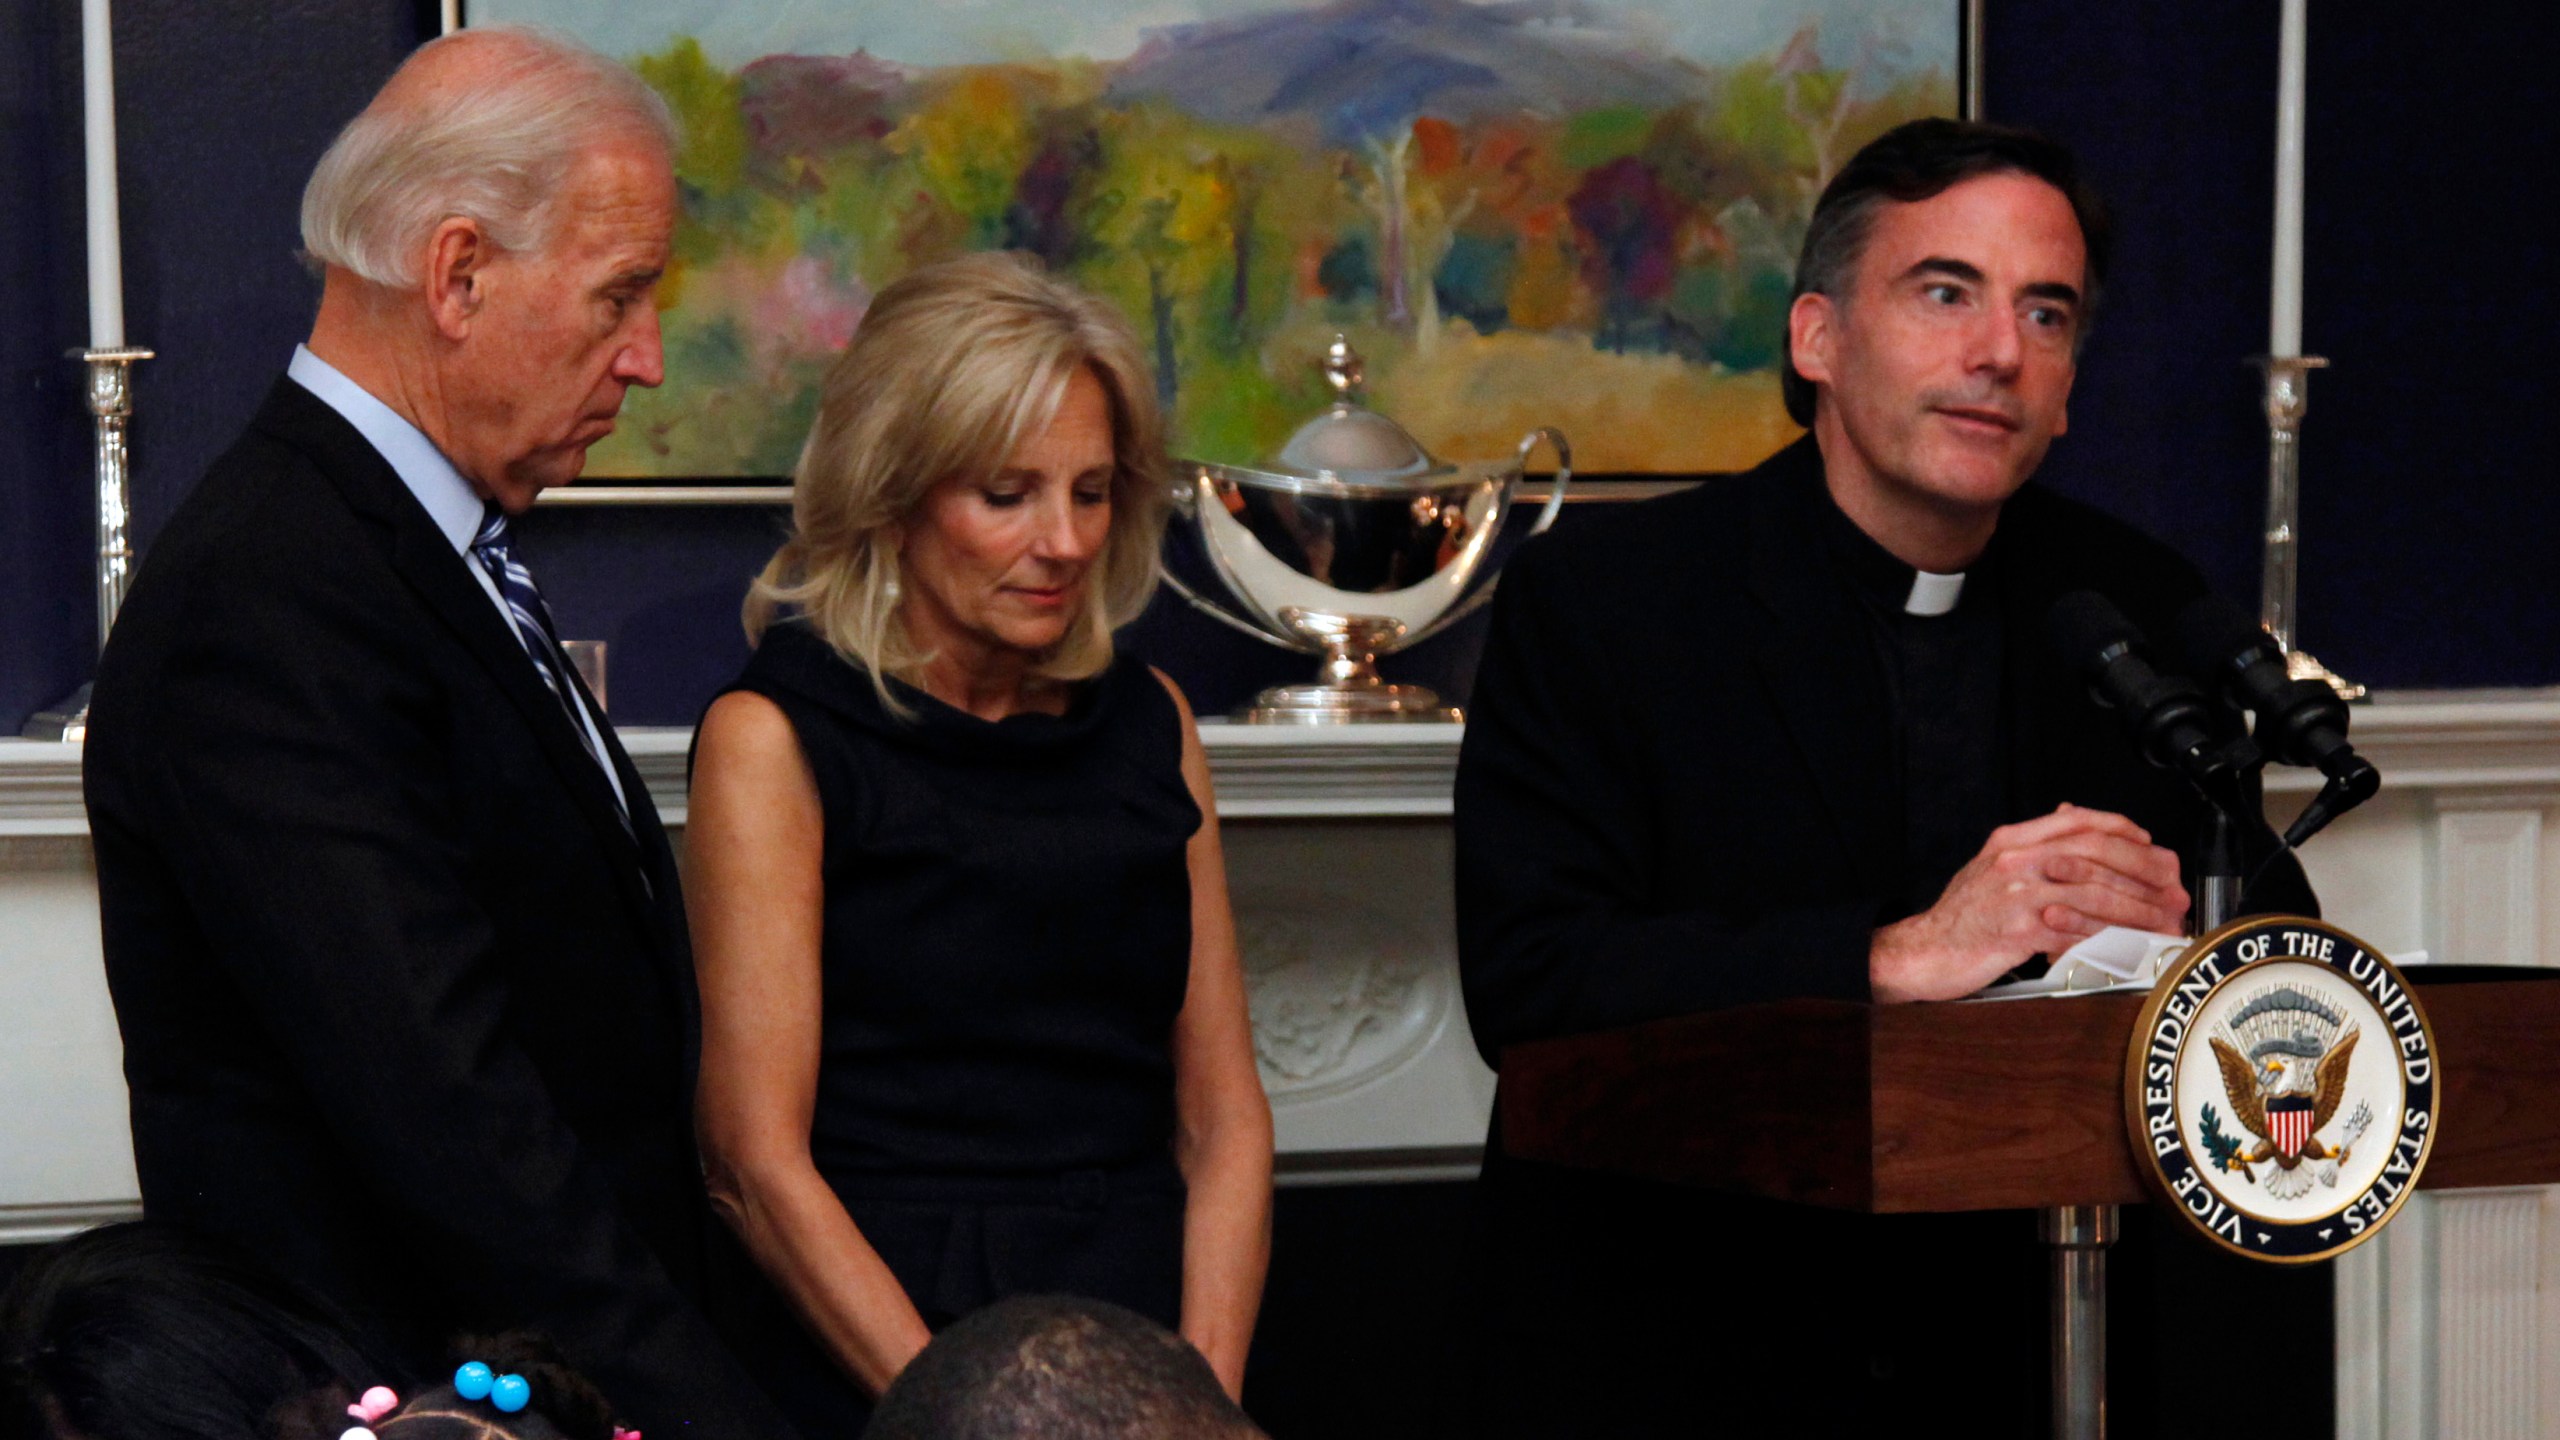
<point>1222,1139</point>
<point>754,842</point>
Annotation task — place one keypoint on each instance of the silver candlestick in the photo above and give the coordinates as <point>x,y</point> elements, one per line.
<point>111,405</point>
<point>2288,400</point>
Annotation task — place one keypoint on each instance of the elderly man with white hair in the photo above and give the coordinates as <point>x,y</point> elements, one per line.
<point>393,933</point>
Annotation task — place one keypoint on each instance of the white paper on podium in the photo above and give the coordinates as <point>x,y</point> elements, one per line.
<point>2116,958</point>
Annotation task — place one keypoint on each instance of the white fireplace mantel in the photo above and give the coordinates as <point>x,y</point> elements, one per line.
<point>2439,741</point>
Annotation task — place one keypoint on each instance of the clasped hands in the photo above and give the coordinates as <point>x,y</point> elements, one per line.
<point>2039,886</point>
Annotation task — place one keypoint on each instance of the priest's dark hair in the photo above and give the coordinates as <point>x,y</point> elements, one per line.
<point>142,1331</point>
<point>1056,1367</point>
<point>1915,161</point>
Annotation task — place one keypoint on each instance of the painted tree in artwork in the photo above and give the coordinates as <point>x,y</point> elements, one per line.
<point>1434,209</point>
<point>1815,116</point>
<point>1817,100</point>
<point>968,145</point>
<point>1272,205</point>
<point>1490,224</point>
<point>1388,162</point>
<point>1631,220</point>
<point>712,157</point>
<point>1157,208</point>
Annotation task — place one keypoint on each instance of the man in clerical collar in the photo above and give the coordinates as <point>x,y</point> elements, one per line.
<point>1940,303</point>
<point>1793,734</point>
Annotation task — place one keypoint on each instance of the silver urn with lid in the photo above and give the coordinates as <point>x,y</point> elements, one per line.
<point>1351,544</point>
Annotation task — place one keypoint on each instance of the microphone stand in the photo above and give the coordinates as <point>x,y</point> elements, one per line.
<point>2231,808</point>
<point>2218,875</point>
<point>2077,1236</point>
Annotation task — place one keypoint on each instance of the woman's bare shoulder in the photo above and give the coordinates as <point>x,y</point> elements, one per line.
<point>746,737</point>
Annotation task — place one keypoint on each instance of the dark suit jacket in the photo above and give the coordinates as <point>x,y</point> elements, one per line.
<point>1677,786</point>
<point>407,1012</point>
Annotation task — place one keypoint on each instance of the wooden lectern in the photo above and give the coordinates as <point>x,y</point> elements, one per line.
<point>1997,1105</point>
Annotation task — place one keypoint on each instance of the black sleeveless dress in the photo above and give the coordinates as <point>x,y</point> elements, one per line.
<point>1006,944</point>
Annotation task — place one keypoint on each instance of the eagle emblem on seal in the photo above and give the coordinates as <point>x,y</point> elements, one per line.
<point>2284,1056</point>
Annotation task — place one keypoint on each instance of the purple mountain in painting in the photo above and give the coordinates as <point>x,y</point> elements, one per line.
<point>1368,67</point>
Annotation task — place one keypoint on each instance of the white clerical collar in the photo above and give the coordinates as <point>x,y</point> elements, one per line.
<point>451,503</point>
<point>1933,594</point>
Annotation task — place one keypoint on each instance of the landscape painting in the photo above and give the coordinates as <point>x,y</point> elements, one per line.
<point>1580,213</point>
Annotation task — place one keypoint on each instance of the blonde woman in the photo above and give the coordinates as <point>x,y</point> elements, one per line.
<point>973,1021</point>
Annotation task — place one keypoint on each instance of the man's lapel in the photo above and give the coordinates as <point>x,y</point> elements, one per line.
<point>428,563</point>
<point>1811,650</point>
<point>663,888</point>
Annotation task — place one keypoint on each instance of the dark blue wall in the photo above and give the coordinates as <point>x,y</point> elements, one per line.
<point>47,621</point>
<point>221,108</point>
<point>2427,505</point>
<point>2424,451</point>
<point>2434,553</point>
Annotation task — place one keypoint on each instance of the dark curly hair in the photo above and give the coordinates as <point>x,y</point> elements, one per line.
<point>1057,1367</point>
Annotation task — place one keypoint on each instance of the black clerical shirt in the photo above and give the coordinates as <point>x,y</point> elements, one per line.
<point>1942,677</point>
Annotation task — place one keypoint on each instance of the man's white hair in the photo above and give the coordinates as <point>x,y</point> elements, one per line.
<point>497,148</point>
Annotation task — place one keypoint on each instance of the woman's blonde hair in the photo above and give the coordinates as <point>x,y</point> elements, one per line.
<point>953,367</point>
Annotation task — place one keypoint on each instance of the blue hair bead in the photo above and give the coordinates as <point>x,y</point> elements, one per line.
<point>510,1393</point>
<point>474,1380</point>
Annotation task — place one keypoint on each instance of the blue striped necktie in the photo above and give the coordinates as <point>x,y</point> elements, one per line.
<point>534,629</point>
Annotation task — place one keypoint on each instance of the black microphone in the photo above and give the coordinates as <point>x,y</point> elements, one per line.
<point>2300,722</point>
<point>2169,718</point>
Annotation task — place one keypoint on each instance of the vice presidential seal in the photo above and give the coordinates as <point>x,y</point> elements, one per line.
<point>2281,1089</point>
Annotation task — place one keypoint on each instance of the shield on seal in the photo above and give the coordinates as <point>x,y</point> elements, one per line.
<point>2289,1123</point>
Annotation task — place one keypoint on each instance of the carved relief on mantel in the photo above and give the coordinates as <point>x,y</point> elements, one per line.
<point>1350,967</point>
<point>1341,993</point>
